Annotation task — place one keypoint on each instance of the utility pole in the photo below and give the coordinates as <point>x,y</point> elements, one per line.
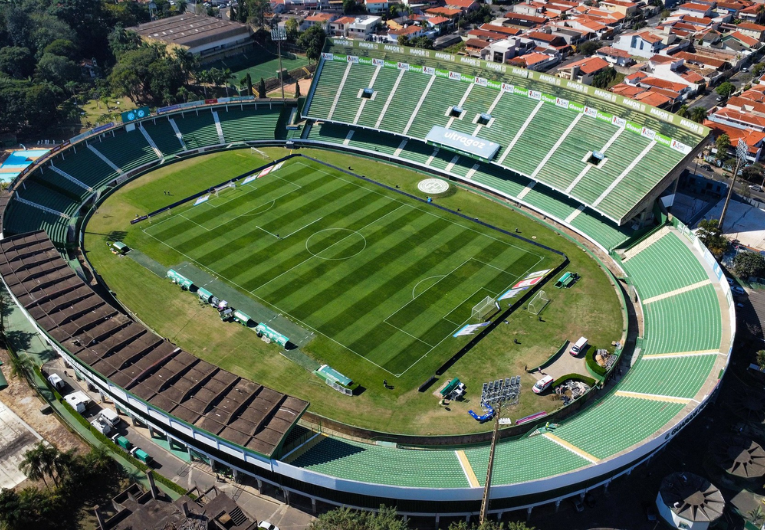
<point>741,152</point>
<point>487,486</point>
<point>279,34</point>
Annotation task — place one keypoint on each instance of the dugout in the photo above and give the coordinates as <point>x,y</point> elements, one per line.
<point>242,318</point>
<point>204,295</point>
<point>179,279</point>
<point>272,335</point>
<point>118,247</point>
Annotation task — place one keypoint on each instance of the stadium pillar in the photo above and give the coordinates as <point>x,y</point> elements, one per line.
<point>438,520</point>
<point>287,497</point>
<point>528,512</point>
<point>557,505</point>
<point>313,504</point>
<point>260,485</point>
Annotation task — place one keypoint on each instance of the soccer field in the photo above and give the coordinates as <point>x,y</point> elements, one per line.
<point>388,278</point>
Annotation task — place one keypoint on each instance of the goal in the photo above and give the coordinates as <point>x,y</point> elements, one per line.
<point>483,308</point>
<point>261,153</point>
<point>229,186</point>
<point>538,303</point>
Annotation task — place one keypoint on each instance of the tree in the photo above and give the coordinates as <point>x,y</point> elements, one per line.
<point>757,69</point>
<point>710,234</point>
<point>761,358</point>
<point>64,48</point>
<point>682,111</point>
<point>258,10</point>
<point>57,69</point>
<point>603,78</point>
<point>16,62</point>
<point>351,7</point>
<point>292,28</point>
<point>722,143</point>
<point>122,40</point>
<point>589,47</point>
<point>665,13</point>
<point>749,264</point>
<point>347,519</point>
<point>753,173</point>
<point>312,41</point>
<point>726,89</point>
<point>180,5</point>
<point>37,463</point>
<point>262,89</point>
<point>698,114</point>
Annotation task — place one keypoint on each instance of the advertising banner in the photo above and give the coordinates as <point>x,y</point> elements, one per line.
<point>462,142</point>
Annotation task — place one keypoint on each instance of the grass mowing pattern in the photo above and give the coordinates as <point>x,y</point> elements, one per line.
<point>385,277</point>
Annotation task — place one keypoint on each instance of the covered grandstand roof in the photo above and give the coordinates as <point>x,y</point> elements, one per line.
<point>132,357</point>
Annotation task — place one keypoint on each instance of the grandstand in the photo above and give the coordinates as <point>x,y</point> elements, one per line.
<point>688,329</point>
<point>546,132</point>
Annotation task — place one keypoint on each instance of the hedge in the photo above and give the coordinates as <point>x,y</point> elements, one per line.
<point>114,448</point>
<point>592,363</point>
<point>579,377</point>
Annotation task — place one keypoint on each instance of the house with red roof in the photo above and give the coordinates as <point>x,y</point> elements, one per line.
<point>754,139</point>
<point>755,31</point>
<point>696,9</point>
<point>447,12</point>
<point>584,70</point>
<point>320,19</point>
<point>614,56</point>
<point>624,7</point>
<point>526,21</point>
<point>536,61</point>
<point>738,119</point>
<point>463,5</point>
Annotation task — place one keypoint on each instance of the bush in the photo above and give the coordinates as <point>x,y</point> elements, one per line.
<point>578,377</point>
<point>591,363</point>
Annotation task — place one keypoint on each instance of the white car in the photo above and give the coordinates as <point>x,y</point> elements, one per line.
<point>755,187</point>
<point>56,381</point>
<point>267,526</point>
<point>542,384</point>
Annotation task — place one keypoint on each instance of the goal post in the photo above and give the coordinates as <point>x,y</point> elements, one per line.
<point>228,186</point>
<point>261,153</point>
<point>538,303</point>
<point>483,308</point>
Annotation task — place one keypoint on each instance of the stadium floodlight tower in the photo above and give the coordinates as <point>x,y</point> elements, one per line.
<point>741,152</point>
<point>279,34</point>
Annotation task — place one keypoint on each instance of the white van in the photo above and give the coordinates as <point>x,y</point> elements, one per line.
<point>102,426</point>
<point>111,417</point>
<point>579,347</point>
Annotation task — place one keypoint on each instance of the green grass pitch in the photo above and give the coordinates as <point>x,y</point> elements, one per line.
<point>386,277</point>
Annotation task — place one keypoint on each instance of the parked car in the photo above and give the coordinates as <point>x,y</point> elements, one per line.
<point>737,289</point>
<point>102,426</point>
<point>141,455</point>
<point>755,187</point>
<point>267,526</point>
<point>542,385</point>
<point>56,382</point>
<point>579,347</point>
<point>110,417</point>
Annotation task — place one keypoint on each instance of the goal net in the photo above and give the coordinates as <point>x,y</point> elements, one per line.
<point>538,303</point>
<point>484,308</point>
<point>229,186</point>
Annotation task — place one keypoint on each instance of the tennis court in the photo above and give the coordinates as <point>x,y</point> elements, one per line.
<point>259,62</point>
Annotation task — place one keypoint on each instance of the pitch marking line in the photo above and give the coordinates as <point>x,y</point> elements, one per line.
<point>424,279</point>
<point>355,183</point>
<point>315,330</point>
<point>653,397</point>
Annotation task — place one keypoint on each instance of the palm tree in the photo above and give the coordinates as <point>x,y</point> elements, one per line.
<point>682,111</point>
<point>698,114</point>
<point>33,465</point>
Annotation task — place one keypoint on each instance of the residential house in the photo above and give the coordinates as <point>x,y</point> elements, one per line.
<point>755,31</point>
<point>502,51</point>
<point>525,21</point>
<point>323,20</point>
<point>738,119</point>
<point>536,61</point>
<point>621,6</point>
<point>753,139</point>
<point>614,56</point>
<point>359,27</point>
<point>463,5</point>
<point>584,70</point>
<point>376,7</point>
<point>696,9</point>
<point>644,44</point>
<point>447,12</point>
<point>410,32</point>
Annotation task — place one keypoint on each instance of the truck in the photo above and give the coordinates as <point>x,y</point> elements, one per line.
<point>141,455</point>
<point>79,401</point>
<point>122,442</point>
<point>101,425</point>
<point>110,417</point>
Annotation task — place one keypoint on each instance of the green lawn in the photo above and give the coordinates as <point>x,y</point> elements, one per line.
<point>259,62</point>
<point>327,295</point>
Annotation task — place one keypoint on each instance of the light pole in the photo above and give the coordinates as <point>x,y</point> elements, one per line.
<point>279,34</point>
<point>490,468</point>
<point>741,152</point>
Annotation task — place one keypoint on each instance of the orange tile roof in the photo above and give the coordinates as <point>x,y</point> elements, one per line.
<point>589,65</point>
<point>528,18</point>
<point>629,91</point>
<point>706,21</point>
<point>663,83</point>
<point>652,98</point>
<point>320,17</point>
<point>701,59</point>
<point>539,35</point>
<point>692,77</point>
<point>749,41</point>
<point>534,58</point>
<point>465,4</point>
<point>649,37</point>
<point>752,138</point>
<point>344,20</point>
<point>742,117</point>
<point>613,52</point>
<point>476,43</point>
<point>751,27</point>
<point>437,20</point>
<point>636,75</point>
<point>444,11</point>
<point>662,59</point>
<point>694,7</point>
<point>500,29</point>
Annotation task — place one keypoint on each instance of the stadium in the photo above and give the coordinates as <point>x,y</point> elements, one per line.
<point>586,162</point>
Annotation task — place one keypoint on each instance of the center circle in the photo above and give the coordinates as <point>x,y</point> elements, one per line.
<point>433,186</point>
<point>335,244</point>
